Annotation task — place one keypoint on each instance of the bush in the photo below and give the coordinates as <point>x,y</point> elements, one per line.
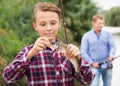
<point>9,44</point>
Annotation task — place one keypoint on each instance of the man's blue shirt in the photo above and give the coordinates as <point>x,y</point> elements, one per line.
<point>97,48</point>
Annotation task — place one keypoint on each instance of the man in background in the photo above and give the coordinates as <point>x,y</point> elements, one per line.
<point>98,46</point>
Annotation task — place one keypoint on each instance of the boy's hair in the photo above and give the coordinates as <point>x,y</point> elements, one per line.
<point>98,16</point>
<point>46,6</point>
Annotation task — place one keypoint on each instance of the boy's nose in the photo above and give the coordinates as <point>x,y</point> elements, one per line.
<point>49,27</point>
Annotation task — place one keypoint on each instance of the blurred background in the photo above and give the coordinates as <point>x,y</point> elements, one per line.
<point>16,30</point>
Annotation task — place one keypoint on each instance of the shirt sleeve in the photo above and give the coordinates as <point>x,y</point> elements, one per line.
<point>84,49</point>
<point>112,45</point>
<point>15,70</point>
<point>85,76</point>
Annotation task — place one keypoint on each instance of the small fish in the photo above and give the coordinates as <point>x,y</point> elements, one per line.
<point>60,46</point>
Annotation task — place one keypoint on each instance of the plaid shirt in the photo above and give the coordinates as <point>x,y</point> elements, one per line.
<point>47,68</point>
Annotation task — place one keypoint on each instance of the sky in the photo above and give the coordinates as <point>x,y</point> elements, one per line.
<point>107,4</point>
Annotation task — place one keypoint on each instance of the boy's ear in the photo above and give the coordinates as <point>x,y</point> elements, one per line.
<point>34,26</point>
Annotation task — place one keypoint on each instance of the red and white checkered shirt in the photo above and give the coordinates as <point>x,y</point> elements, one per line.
<point>47,68</point>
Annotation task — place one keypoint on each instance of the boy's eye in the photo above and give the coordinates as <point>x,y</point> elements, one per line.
<point>42,24</point>
<point>53,23</point>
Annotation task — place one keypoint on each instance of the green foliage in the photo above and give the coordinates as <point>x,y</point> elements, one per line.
<point>9,44</point>
<point>112,17</point>
<point>17,16</point>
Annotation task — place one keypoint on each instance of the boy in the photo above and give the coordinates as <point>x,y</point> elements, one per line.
<point>42,64</point>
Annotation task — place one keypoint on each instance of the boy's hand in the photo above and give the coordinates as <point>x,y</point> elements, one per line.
<point>40,44</point>
<point>73,54</point>
<point>72,51</point>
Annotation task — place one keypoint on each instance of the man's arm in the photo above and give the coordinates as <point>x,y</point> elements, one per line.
<point>84,50</point>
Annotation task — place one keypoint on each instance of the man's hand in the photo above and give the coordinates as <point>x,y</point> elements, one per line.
<point>95,65</point>
<point>111,58</point>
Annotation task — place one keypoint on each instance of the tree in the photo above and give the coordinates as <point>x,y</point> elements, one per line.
<point>78,15</point>
<point>112,17</point>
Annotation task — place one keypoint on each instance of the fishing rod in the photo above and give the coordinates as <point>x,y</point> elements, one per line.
<point>106,61</point>
<point>64,23</point>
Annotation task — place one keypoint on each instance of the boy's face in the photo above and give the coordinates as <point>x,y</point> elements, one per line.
<point>47,24</point>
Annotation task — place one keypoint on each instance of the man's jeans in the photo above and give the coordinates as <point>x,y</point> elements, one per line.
<point>106,76</point>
